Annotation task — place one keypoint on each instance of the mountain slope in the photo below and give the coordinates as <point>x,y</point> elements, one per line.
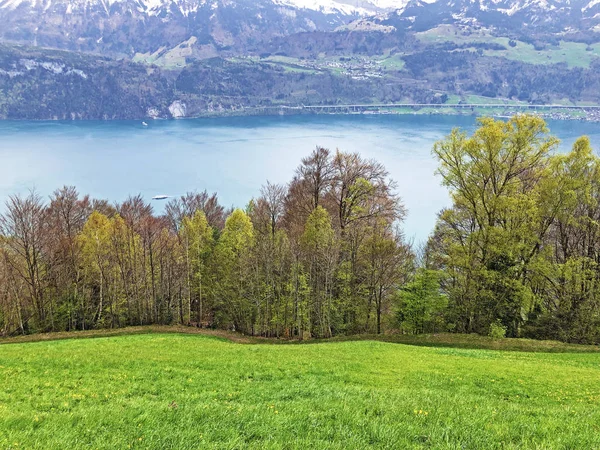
<point>49,84</point>
<point>557,16</point>
<point>166,58</point>
<point>127,27</point>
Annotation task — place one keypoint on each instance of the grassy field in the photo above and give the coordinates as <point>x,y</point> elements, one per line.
<point>168,58</point>
<point>574,54</point>
<point>195,391</point>
<point>393,63</point>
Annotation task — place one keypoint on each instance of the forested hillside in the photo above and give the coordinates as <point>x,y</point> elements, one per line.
<point>57,85</point>
<point>516,253</point>
<point>134,60</point>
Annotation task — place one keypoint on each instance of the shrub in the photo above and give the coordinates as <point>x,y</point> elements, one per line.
<point>497,330</point>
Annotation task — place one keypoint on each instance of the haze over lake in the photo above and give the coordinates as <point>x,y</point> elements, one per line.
<point>232,156</point>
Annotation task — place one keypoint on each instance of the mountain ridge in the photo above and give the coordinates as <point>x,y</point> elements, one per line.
<point>124,28</point>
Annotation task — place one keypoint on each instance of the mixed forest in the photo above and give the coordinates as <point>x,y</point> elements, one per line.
<point>517,253</point>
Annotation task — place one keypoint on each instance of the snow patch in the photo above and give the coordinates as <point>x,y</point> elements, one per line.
<point>590,5</point>
<point>345,7</point>
<point>55,68</point>
<point>11,73</point>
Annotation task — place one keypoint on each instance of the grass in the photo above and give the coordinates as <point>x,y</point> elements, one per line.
<point>481,100</point>
<point>474,341</point>
<point>196,391</point>
<point>168,58</point>
<point>289,65</point>
<point>450,33</point>
<point>392,63</point>
<point>453,99</point>
<point>574,54</point>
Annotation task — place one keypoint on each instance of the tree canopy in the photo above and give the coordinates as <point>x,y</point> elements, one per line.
<point>301,260</point>
<point>517,251</point>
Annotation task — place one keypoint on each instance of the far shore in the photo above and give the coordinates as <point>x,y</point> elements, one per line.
<point>589,113</point>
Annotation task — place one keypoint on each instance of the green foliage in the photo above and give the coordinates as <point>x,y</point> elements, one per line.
<point>421,304</point>
<point>198,241</point>
<point>317,258</point>
<point>497,330</point>
<point>493,227</point>
<point>238,235</point>
<point>235,286</point>
<point>318,233</point>
<point>95,241</point>
<point>517,253</point>
<point>518,245</point>
<point>319,244</point>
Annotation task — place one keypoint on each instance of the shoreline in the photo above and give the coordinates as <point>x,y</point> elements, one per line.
<point>588,114</point>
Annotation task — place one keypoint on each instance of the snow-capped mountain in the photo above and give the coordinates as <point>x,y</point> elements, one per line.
<point>517,15</point>
<point>202,28</point>
<point>127,27</point>
<point>347,7</point>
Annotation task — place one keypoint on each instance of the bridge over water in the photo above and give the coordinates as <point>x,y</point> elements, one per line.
<point>357,108</point>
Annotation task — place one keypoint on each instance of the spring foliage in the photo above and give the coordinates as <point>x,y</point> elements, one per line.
<point>519,246</point>
<point>319,257</point>
<point>517,253</point>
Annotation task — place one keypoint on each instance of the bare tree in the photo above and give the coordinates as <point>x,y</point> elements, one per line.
<point>67,215</point>
<point>188,204</point>
<point>25,230</point>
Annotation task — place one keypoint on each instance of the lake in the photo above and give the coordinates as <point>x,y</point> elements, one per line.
<point>232,156</point>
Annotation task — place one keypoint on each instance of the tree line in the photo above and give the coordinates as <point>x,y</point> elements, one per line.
<point>517,253</point>
<point>320,256</point>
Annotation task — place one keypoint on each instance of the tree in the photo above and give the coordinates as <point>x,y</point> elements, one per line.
<point>320,248</point>
<point>321,256</point>
<point>188,204</point>
<point>95,252</point>
<point>271,261</point>
<point>361,190</point>
<point>388,264</point>
<point>66,215</point>
<point>197,237</point>
<point>568,272</point>
<point>495,227</point>
<point>235,284</point>
<point>25,232</point>
<point>421,303</point>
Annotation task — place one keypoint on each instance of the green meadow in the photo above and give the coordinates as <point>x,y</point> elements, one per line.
<point>574,54</point>
<point>193,391</point>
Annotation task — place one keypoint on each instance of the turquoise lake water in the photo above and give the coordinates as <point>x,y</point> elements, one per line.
<point>232,156</point>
